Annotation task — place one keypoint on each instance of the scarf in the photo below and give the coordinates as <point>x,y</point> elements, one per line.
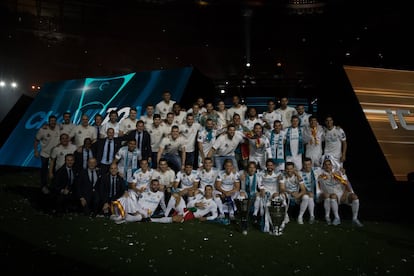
<point>209,134</point>
<point>277,151</point>
<point>251,187</point>
<point>300,141</point>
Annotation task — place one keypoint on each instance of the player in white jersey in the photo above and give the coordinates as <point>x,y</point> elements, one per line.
<point>236,108</point>
<point>291,184</point>
<point>335,145</point>
<point>67,125</point>
<point>148,117</point>
<point>57,157</point>
<point>294,145</point>
<point>128,124</point>
<point>222,115</point>
<point>127,160</point>
<point>277,139</point>
<point>259,147</point>
<point>303,116</point>
<point>179,115</point>
<point>82,131</point>
<point>171,148</point>
<point>313,137</point>
<point>186,181</point>
<point>165,175</point>
<point>271,115</point>
<point>228,187</point>
<point>165,105</point>
<point>189,131</point>
<point>141,207</point>
<point>286,111</point>
<point>143,176</point>
<point>208,176</point>
<point>156,132</point>
<point>47,137</point>
<point>268,187</point>
<point>224,147</point>
<point>335,189</point>
<point>205,139</point>
<point>112,123</point>
<point>205,204</point>
<point>252,119</point>
<point>310,176</point>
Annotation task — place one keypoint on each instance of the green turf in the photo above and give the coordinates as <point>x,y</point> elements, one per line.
<point>34,241</point>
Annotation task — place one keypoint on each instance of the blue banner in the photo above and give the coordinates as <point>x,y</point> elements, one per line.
<point>89,96</point>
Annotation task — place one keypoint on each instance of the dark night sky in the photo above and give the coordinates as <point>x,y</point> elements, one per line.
<point>93,38</point>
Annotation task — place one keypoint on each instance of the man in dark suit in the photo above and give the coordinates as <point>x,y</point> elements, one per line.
<point>63,185</point>
<point>88,188</point>
<point>82,154</point>
<point>104,150</point>
<point>143,139</point>
<point>112,187</point>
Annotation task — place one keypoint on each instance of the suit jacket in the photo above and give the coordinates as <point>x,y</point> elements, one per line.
<point>79,159</point>
<point>61,180</point>
<point>85,186</point>
<point>98,147</point>
<point>146,151</point>
<point>104,189</point>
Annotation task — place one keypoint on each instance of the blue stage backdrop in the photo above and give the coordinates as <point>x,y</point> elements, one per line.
<point>89,96</point>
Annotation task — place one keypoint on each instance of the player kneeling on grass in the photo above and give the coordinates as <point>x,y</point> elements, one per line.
<point>335,189</point>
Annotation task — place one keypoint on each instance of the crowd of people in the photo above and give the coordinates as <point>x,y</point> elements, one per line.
<point>173,164</point>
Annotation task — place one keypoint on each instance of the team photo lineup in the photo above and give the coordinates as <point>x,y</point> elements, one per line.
<point>207,162</point>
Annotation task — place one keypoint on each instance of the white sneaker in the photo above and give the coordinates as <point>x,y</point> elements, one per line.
<point>286,220</point>
<point>357,223</point>
<point>300,220</point>
<point>328,220</point>
<point>115,218</point>
<point>120,221</point>
<point>312,220</point>
<point>336,221</point>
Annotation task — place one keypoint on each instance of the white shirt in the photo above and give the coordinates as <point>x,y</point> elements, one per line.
<point>59,154</point>
<point>107,125</point>
<point>165,178</point>
<point>80,133</point>
<point>190,134</point>
<point>156,134</point>
<point>127,125</point>
<point>333,142</point>
<point>150,201</point>
<point>271,117</point>
<point>172,146</point>
<point>225,146</point>
<point>48,138</point>
<point>202,138</point>
<point>241,110</point>
<point>185,180</point>
<point>269,182</point>
<point>227,181</point>
<point>207,178</point>
<point>163,108</point>
<point>287,114</point>
<point>142,179</point>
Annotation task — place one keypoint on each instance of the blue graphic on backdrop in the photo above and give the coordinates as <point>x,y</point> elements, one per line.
<point>89,96</point>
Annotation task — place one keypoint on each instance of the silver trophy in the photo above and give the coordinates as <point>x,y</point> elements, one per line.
<point>243,206</point>
<point>277,216</point>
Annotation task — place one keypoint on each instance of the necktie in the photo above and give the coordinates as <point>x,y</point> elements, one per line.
<point>139,140</point>
<point>108,150</point>
<point>97,132</point>
<point>92,178</point>
<point>70,176</point>
<point>113,187</point>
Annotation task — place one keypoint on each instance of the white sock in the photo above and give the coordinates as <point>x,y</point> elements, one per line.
<point>327,206</point>
<point>303,205</point>
<point>133,218</point>
<point>217,200</point>
<point>355,208</point>
<point>311,207</point>
<point>334,206</point>
<point>162,220</point>
<point>257,206</point>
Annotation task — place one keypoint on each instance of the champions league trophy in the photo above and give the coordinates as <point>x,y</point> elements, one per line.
<point>243,206</point>
<point>277,216</point>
